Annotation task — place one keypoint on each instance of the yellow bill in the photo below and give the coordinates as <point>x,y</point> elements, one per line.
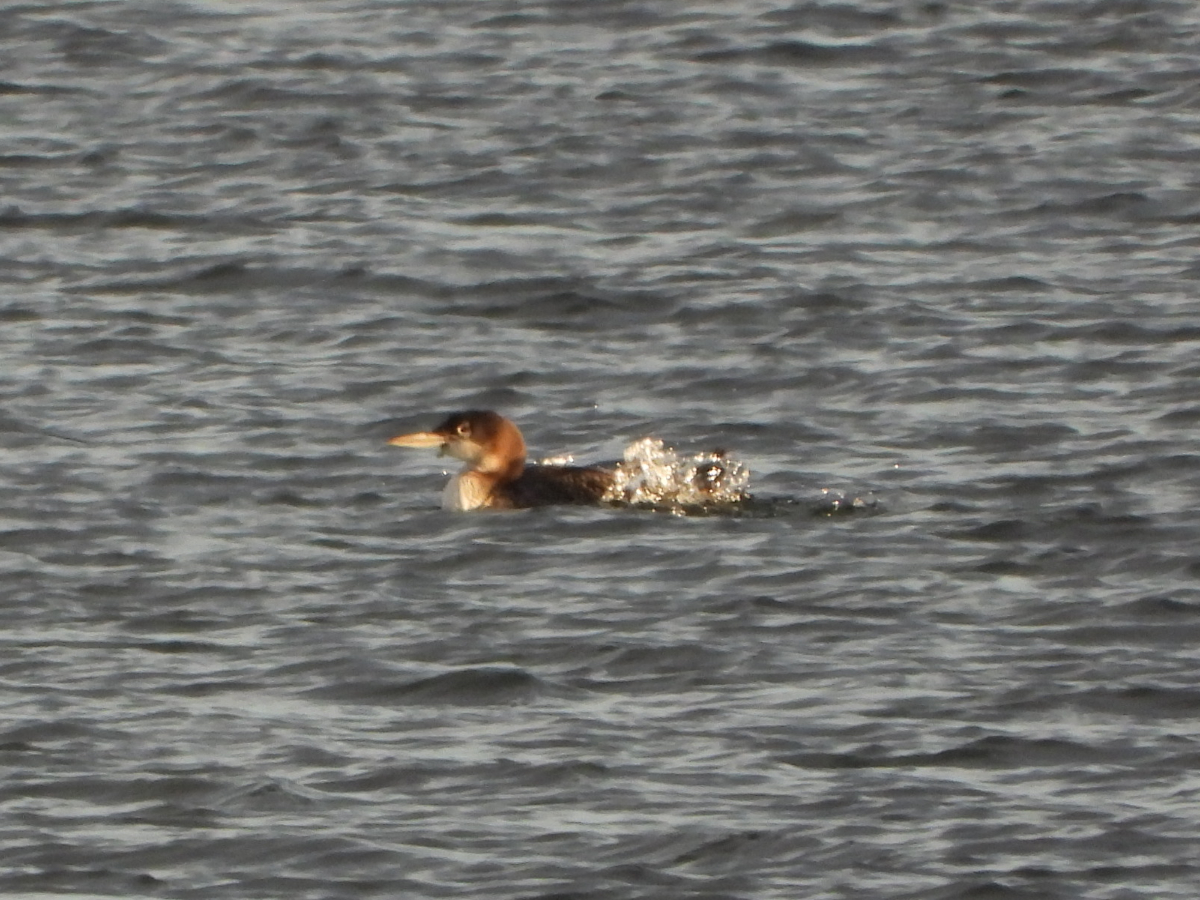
<point>418,439</point>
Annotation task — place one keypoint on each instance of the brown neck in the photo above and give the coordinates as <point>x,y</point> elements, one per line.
<point>505,459</point>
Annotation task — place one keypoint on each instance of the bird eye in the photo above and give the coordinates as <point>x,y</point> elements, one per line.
<point>464,429</point>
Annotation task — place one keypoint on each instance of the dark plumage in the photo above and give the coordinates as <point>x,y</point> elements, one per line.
<point>546,485</point>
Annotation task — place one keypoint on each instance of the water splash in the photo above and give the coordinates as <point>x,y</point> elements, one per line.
<point>656,476</point>
<point>653,474</point>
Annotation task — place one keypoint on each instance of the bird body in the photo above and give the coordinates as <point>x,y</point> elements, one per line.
<point>495,474</point>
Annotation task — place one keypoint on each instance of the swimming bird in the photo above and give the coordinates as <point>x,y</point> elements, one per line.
<point>495,475</point>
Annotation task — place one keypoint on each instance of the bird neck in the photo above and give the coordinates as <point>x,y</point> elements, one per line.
<point>469,489</point>
<point>504,459</point>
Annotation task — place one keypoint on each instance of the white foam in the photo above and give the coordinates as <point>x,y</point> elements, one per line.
<point>653,473</point>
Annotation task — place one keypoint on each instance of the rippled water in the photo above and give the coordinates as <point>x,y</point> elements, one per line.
<point>943,255</point>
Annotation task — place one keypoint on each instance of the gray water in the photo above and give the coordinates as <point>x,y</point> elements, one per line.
<point>940,254</point>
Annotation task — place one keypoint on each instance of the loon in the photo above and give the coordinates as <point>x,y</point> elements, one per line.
<point>495,475</point>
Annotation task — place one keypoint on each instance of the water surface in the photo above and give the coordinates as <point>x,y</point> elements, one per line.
<point>941,255</point>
